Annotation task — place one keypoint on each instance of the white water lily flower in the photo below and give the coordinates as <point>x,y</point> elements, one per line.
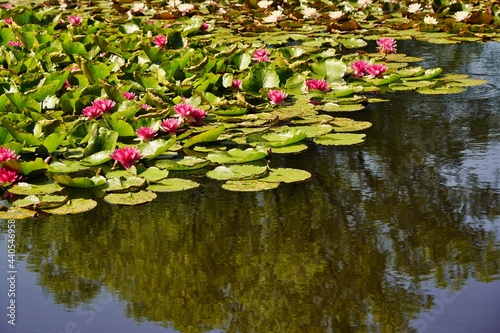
<point>274,17</point>
<point>414,8</point>
<point>309,13</point>
<point>430,20</point>
<point>264,4</point>
<point>336,14</point>
<point>185,8</point>
<point>364,3</point>
<point>138,8</point>
<point>461,15</point>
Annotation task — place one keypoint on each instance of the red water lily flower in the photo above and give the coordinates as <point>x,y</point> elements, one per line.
<point>146,133</point>
<point>236,84</point>
<point>261,55</point>
<point>189,112</point>
<point>386,45</point>
<point>8,21</point>
<point>317,85</point>
<point>127,156</point>
<point>7,154</point>
<point>129,95</point>
<point>75,20</point>
<point>277,96</point>
<point>376,70</point>
<point>8,176</point>
<point>170,125</point>
<point>160,41</point>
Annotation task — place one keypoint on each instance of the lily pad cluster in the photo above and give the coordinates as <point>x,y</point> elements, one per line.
<point>144,101</point>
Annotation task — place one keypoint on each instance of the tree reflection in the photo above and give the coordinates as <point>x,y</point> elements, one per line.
<point>345,252</point>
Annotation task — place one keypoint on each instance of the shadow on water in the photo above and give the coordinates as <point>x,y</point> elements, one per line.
<point>355,249</point>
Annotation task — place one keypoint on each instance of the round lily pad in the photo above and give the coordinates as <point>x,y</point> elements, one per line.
<point>237,172</point>
<point>124,184</point>
<point>42,201</point>
<point>349,125</point>
<point>249,185</point>
<point>286,175</point>
<point>173,185</point>
<point>340,139</point>
<point>130,199</point>
<point>36,189</point>
<point>74,206</point>
<point>236,155</point>
<point>181,164</point>
<point>17,213</point>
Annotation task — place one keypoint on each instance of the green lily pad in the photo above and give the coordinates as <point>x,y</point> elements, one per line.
<point>286,175</point>
<point>74,206</point>
<point>17,213</point>
<point>43,201</point>
<point>279,139</point>
<point>97,158</point>
<point>208,136</point>
<point>290,149</point>
<point>349,125</point>
<point>35,189</point>
<point>249,185</point>
<point>154,174</point>
<point>173,185</point>
<point>340,139</point>
<point>124,184</point>
<point>155,148</point>
<point>80,182</point>
<point>236,155</point>
<point>428,74</point>
<point>237,172</point>
<point>130,199</point>
<point>182,164</point>
<point>332,107</point>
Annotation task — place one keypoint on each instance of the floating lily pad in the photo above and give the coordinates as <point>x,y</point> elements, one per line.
<point>290,149</point>
<point>279,139</point>
<point>182,164</point>
<point>124,184</point>
<point>349,125</point>
<point>332,107</point>
<point>249,185</point>
<point>340,139</point>
<point>74,206</point>
<point>236,155</point>
<point>208,136</point>
<point>17,213</point>
<point>43,201</point>
<point>81,182</point>
<point>441,90</point>
<point>237,172</point>
<point>286,175</point>
<point>173,185</point>
<point>35,189</point>
<point>131,198</point>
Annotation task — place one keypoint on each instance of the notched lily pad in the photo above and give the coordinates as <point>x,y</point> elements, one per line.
<point>35,189</point>
<point>173,185</point>
<point>286,175</point>
<point>131,198</point>
<point>340,139</point>
<point>74,206</point>
<point>249,185</point>
<point>42,201</point>
<point>349,125</point>
<point>125,184</point>
<point>236,155</point>
<point>237,172</point>
<point>182,164</point>
<point>81,182</point>
<point>17,213</point>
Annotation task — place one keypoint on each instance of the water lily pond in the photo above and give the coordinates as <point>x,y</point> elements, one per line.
<point>232,169</point>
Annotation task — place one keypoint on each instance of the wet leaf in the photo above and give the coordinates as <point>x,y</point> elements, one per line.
<point>237,172</point>
<point>249,185</point>
<point>173,185</point>
<point>130,199</point>
<point>340,139</point>
<point>74,206</point>
<point>35,189</point>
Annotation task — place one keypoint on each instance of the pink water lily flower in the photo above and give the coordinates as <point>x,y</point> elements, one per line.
<point>7,154</point>
<point>317,85</point>
<point>204,26</point>
<point>170,125</point>
<point>91,112</point>
<point>146,133</point>
<point>14,43</point>
<point>8,21</point>
<point>359,67</point>
<point>146,106</point>
<point>376,70</point>
<point>75,20</point>
<point>127,156</point>
<point>386,45</point>
<point>8,175</point>
<point>105,105</point>
<point>129,95</point>
<point>277,96</point>
<point>7,6</point>
<point>261,55</point>
<point>237,83</point>
<point>160,41</point>
<point>189,112</point>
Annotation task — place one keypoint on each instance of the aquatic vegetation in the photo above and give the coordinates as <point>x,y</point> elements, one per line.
<point>183,87</point>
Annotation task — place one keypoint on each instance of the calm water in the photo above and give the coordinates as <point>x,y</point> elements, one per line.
<point>401,234</point>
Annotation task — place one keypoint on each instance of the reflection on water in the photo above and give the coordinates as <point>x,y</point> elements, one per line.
<point>356,249</point>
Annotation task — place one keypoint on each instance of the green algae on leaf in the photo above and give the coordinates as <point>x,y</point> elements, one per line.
<point>249,185</point>
<point>339,139</point>
<point>172,185</point>
<point>73,206</point>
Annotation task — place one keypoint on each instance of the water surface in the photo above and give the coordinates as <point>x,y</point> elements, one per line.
<point>400,234</point>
